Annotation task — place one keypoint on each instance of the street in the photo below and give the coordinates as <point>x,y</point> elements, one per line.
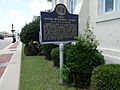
<point>5,42</point>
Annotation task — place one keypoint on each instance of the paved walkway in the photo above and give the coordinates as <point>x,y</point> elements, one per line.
<point>10,61</point>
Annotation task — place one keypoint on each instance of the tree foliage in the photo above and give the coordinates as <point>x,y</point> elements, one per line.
<point>30,37</point>
<point>30,32</point>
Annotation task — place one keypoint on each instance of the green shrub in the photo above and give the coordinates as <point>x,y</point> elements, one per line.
<point>46,48</point>
<point>55,56</point>
<point>30,50</point>
<point>30,32</point>
<point>106,77</point>
<point>81,59</point>
<point>80,62</point>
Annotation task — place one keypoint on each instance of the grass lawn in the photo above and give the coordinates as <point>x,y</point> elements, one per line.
<point>39,74</point>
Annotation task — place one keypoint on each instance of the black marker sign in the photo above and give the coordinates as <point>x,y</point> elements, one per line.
<point>58,26</point>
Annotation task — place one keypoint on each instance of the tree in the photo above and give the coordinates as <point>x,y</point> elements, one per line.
<point>30,37</point>
<point>30,32</point>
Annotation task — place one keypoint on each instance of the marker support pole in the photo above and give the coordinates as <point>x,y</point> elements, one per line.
<point>61,48</point>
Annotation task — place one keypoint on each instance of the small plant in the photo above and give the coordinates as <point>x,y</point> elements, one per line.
<point>30,50</point>
<point>106,77</point>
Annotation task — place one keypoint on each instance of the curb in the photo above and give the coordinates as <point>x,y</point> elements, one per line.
<point>10,78</point>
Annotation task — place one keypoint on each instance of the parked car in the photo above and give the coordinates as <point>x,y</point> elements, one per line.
<point>1,37</point>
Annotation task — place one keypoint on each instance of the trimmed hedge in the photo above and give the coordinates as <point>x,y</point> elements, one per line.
<point>46,49</point>
<point>80,61</point>
<point>30,50</point>
<point>106,77</point>
<point>55,56</point>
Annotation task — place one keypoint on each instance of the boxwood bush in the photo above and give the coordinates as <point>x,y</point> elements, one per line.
<point>106,77</point>
<point>46,49</point>
<point>30,50</point>
<point>55,54</point>
<point>81,59</point>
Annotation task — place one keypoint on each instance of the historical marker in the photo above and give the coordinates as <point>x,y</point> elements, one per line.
<point>58,26</point>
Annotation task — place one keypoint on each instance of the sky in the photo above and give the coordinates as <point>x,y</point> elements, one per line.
<point>20,12</point>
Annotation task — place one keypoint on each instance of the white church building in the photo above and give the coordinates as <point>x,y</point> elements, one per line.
<point>105,19</point>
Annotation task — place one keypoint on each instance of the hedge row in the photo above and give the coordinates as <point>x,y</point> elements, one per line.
<point>106,77</point>
<point>47,48</point>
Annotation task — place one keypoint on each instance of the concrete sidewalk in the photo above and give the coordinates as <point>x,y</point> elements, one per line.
<point>10,62</point>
